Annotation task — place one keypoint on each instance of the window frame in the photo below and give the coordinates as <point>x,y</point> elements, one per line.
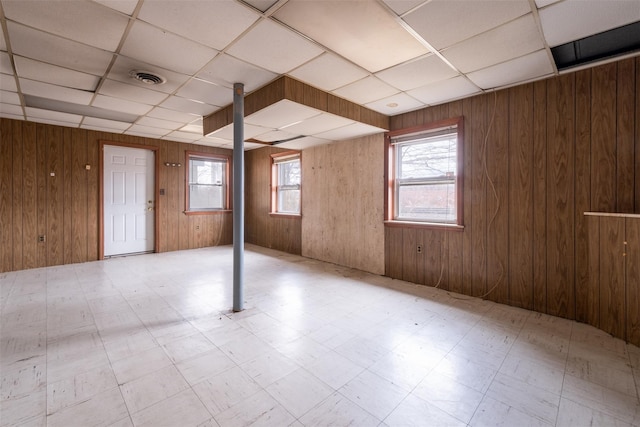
<point>276,159</point>
<point>391,181</point>
<point>190,155</point>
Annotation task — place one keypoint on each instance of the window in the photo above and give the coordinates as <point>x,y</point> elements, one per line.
<point>207,182</point>
<point>425,170</point>
<point>285,183</point>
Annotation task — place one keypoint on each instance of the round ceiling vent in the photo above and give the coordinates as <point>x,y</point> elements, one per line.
<point>147,77</point>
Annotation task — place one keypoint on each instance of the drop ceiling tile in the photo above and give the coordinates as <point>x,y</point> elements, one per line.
<point>215,142</point>
<point>124,65</point>
<point>104,124</point>
<point>261,5</point>
<point>321,123</point>
<point>350,131</point>
<point>514,39</point>
<point>7,97</point>
<point>533,66</point>
<point>212,23</point>
<point>33,113</point>
<point>159,123</point>
<point>83,125</point>
<point>396,104</point>
<point>47,73</point>
<point>184,105</point>
<point>8,82</point>
<point>574,19</point>
<point>281,114</point>
<point>226,70</point>
<point>182,136</point>
<point>3,42</point>
<point>5,63</point>
<point>200,90</point>
<point>125,6</point>
<point>154,46</point>
<point>274,47</point>
<point>366,90</point>
<point>420,72</point>
<point>131,92</point>
<point>443,23</point>
<point>148,131</point>
<point>118,104</point>
<point>440,92</point>
<point>83,21</point>
<point>52,122</point>
<point>543,3</point>
<point>275,136</point>
<point>303,143</point>
<point>55,50</point>
<point>328,72</point>
<point>403,6</point>
<point>46,90</point>
<point>376,39</point>
<point>249,132</point>
<point>10,109</point>
<point>172,115</point>
<point>193,128</point>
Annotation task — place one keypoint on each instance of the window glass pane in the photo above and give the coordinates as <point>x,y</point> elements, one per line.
<point>428,158</point>
<point>435,202</point>
<point>289,201</point>
<point>206,184</point>
<point>288,186</point>
<point>289,173</point>
<point>206,197</point>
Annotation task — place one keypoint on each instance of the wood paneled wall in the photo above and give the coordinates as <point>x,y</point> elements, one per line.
<point>64,207</point>
<point>537,156</point>
<point>343,203</point>
<point>261,228</point>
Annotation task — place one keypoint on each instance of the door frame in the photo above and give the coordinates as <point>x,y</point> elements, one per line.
<point>156,191</point>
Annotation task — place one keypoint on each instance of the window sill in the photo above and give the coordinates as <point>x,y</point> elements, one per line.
<point>428,225</point>
<point>213,212</point>
<point>284,215</point>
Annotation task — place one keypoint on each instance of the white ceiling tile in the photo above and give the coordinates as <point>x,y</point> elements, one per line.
<point>350,131</point>
<point>261,5</point>
<point>154,46</point>
<point>119,104</point>
<point>175,116</point>
<point>511,40</point>
<point>8,82</point>
<point>82,21</point>
<point>226,70</point>
<point>574,19</point>
<point>14,110</point>
<point>302,143</point>
<point>376,39</point>
<point>47,73</point>
<point>52,115</point>
<point>193,128</point>
<point>212,23</point>
<point>417,73</point>
<point>52,122</point>
<point>275,136</point>
<point>45,90</point>
<point>532,66</point>
<point>112,125</point>
<point>543,3</point>
<point>83,125</point>
<point>328,72</point>
<point>249,132</point>
<point>274,47</point>
<point>5,63</point>
<point>148,131</point>
<point>159,123</point>
<point>366,90</point>
<point>184,105</point>
<point>3,42</point>
<point>56,50</point>
<point>396,104</point>
<point>282,113</point>
<point>123,66</point>
<point>437,93</point>
<point>131,93</point>
<point>443,23</point>
<point>182,137</point>
<point>403,6</point>
<point>7,97</point>
<point>125,6</point>
<point>321,123</point>
<point>210,93</point>
<point>214,141</point>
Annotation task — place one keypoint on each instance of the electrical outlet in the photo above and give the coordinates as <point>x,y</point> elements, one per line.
<point>419,249</point>
<point>197,227</point>
<point>42,238</point>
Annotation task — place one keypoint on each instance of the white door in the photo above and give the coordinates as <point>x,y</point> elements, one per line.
<point>129,201</point>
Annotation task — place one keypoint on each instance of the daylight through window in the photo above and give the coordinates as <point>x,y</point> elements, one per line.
<point>286,183</point>
<point>207,182</point>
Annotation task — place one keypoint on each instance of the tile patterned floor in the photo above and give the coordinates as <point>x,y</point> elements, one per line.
<point>150,341</point>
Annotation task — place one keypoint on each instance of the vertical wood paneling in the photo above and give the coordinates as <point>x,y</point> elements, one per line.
<point>539,196</point>
<point>55,196</point>
<point>625,135</point>
<point>468,170</point>
<point>17,246</point>
<point>171,199</point>
<point>454,247</point>
<point>30,197</point>
<point>393,253</point>
<point>68,196</point>
<point>478,192</point>
<point>6,197</point>
<point>520,204</point>
<point>593,284</point>
<point>411,260</point>
<point>611,284</point>
<point>636,122</point>
<point>184,220</point>
<point>632,276</point>
<point>79,189</point>
<point>42,178</point>
<point>162,205</point>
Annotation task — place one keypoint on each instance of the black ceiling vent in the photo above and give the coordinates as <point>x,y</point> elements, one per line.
<point>147,77</point>
<point>608,44</point>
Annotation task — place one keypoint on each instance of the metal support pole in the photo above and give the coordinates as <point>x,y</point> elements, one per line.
<point>238,196</point>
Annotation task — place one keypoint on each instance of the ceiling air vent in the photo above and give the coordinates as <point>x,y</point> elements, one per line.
<point>147,77</point>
